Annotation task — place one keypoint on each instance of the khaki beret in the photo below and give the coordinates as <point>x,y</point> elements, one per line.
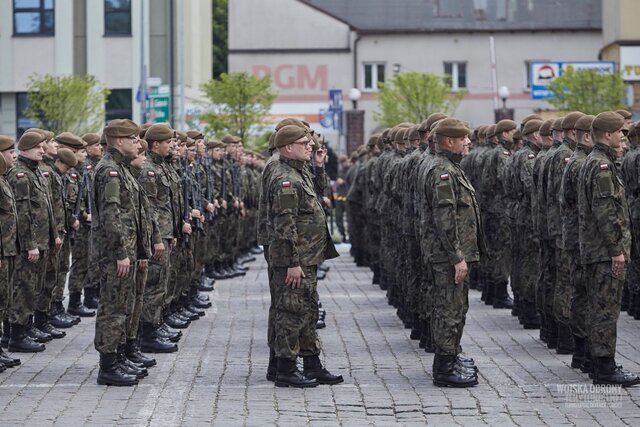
<point>373,139</point>
<point>608,121</point>
<point>426,124</point>
<point>3,166</point>
<point>452,128</point>
<point>30,140</point>
<point>6,142</point>
<point>121,128</point>
<point>67,157</point>
<point>143,146</point>
<point>159,132</point>
<point>517,135</point>
<point>569,121</point>
<point>482,131</point>
<point>413,133</point>
<point>195,134</point>
<point>231,139</point>
<point>505,125</point>
<point>46,134</point>
<point>91,138</point>
<point>557,124</point>
<point>36,130</point>
<point>491,131</point>
<point>386,136</point>
<point>289,134</point>
<point>70,140</point>
<point>190,142</point>
<point>214,144</point>
<point>530,117</point>
<point>272,141</point>
<point>584,123</point>
<point>545,129</point>
<point>531,126</point>
<point>182,136</point>
<point>289,121</point>
<point>625,114</point>
<point>632,133</point>
<point>399,133</point>
<point>103,139</point>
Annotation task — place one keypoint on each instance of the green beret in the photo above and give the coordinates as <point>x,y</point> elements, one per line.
<point>159,132</point>
<point>30,140</point>
<point>195,134</point>
<point>413,133</point>
<point>545,129</point>
<point>557,125</point>
<point>399,132</point>
<point>214,144</point>
<point>452,128</point>
<point>231,139</point>
<point>386,136</point>
<point>517,135</point>
<point>67,157</point>
<point>6,142</point>
<point>70,140</point>
<point>531,126</point>
<point>584,123</point>
<point>505,125</point>
<point>143,146</point>
<point>3,166</point>
<point>103,139</point>
<point>426,124</point>
<point>530,117</point>
<point>118,128</point>
<point>373,139</point>
<point>569,121</point>
<point>272,141</point>
<point>290,121</point>
<point>608,121</point>
<point>289,134</point>
<point>482,131</point>
<point>491,131</point>
<point>91,138</point>
<point>143,129</point>
<point>190,142</point>
<point>182,136</point>
<point>625,114</point>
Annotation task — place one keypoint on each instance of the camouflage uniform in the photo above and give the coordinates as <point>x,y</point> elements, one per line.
<point>630,173</point>
<point>8,246</point>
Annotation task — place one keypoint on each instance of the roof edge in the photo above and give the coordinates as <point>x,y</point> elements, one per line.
<point>331,15</point>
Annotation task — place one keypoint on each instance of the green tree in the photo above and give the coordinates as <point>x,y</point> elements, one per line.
<point>220,27</point>
<point>237,102</point>
<point>588,91</point>
<point>412,97</point>
<point>66,103</point>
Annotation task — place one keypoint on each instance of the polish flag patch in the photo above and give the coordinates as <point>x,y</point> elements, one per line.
<point>286,184</point>
<point>45,174</point>
<point>566,159</point>
<point>151,173</point>
<point>74,176</point>
<point>89,167</point>
<point>20,175</point>
<point>532,156</point>
<point>113,173</point>
<point>444,177</point>
<point>604,167</point>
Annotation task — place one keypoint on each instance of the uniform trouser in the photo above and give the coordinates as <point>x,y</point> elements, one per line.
<point>498,239</point>
<point>271,334</point>
<point>45,296</point>
<point>213,234</point>
<point>199,256</point>
<point>580,298</point>
<point>180,276</point>
<point>426,290</point>
<point>373,231</point>
<point>563,290</point>
<point>546,280</point>
<point>605,296</point>
<point>79,270</point>
<point>450,306</point>
<point>115,299</point>
<point>155,288</point>
<point>296,315</point>
<point>63,270</point>
<point>28,285</point>
<point>339,216</point>
<point>516,260</point>
<point>135,305</point>
<point>413,275</point>
<point>230,236</point>
<point>529,268</point>
<point>7,271</point>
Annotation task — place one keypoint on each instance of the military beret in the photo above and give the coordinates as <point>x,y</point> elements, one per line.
<point>482,132</point>
<point>159,132</point>
<point>70,140</point>
<point>121,127</point>
<point>289,134</point>
<point>143,146</point>
<point>30,140</point>
<point>6,142</point>
<point>195,134</point>
<point>452,128</point>
<point>143,129</point>
<point>214,144</point>
<point>608,121</point>
<point>272,141</point>
<point>103,139</point>
<point>413,133</point>
<point>182,136</point>
<point>399,132</point>
<point>231,139</point>
<point>557,124</point>
<point>491,131</point>
<point>517,135</point>
<point>291,121</point>
<point>67,157</point>
<point>190,142</point>
<point>91,138</point>
<point>47,135</point>
<point>3,166</point>
<point>505,125</point>
<point>584,123</point>
<point>625,114</point>
<point>317,143</point>
<point>530,117</point>
<point>38,130</point>
<point>531,126</point>
<point>429,121</point>
<point>386,137</point>
<point>632,133</point>
<point>545,128</point>
<point>569,121</point>
<point>373,139</point>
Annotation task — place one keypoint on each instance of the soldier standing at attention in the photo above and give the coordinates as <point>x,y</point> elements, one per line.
<point>605,245</point>
<point>299,240</point>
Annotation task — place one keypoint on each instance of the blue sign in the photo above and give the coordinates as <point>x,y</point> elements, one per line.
<point>543,73</point>
<point>335,99</point>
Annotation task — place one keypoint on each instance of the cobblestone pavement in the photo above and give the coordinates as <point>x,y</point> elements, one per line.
<point>218,376</point>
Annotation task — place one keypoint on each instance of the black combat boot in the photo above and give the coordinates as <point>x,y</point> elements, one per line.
<point>111,373</point>
<point>529,316</point>
<point>176,321</point>
<point>205,284</point>
<point>36,333</point>
<point>501,297</point>
<point>552,333</point>
<point>624,304</point>
<point>515,311</point>
<point>168,333</point>
<point>423,337</point>
<point>288,375</point>
<point>416,331</point>
<point>579,352</point>
<point>429,347</point>
<point>21,343</point>
<point>239,267</point>
<point>76,307</point>
<point>314,370</point>
<point>198,302</point>
<point>565,340</point>
<point>607,372</point>
<point>91,299</point>
<point>59,318</point>
<point>320,324</point>
<point>272,367</point>
<point>5,359</point>
<point>41,321</point>
<point>130,367</point>
<point>133,353</point>
<point>636,314</point>
<point>376,275</point>
<point>151,342</point>
<point>256,250</point>
<point>6,334</point>
<point>445,373</point>
<point>631,310</point>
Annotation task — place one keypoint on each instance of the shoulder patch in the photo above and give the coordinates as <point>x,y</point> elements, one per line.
<point>566,159</point>
<point>151,173</point>
<point>45,174</point>
<point>506,153</point>
<point>113,173</point>
<point>532,156</point>
<point>74,176</point>
<point>89,167</point>
<point>20,175</point>
<point>444,177</point>
<point>286,184</point>
<point>604,167</point>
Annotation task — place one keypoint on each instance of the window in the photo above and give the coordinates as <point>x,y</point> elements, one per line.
<point>119,105</point>
<point>22,122</point>
<point>33,17</point>
<point>373,74</point>
<point>117,17</point>
<point>457,74</point>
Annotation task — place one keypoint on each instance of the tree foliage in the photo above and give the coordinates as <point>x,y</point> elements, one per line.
<point>237,102</point>
<point>588,91</point>
<point>220,27</point>
<point>66,103</point>
<point>412,97</point>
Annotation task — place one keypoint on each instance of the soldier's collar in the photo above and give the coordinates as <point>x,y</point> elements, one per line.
<point>586,148</point>
<point>536,149</point>
<point>556,143</point>
<point>156,158</point>
<point>117,156</point>
<point>455,158</point>
<point>31,164</point>
<point>296,164</point>
<point>610,152</point>
<point>571,143</point>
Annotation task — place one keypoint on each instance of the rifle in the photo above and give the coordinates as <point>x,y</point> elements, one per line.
<point>235,175</point>
<point>186,212</point>
<point>205,162</point>
<point>78,205</point>
<point>196,200</point>
<point>223,184</point>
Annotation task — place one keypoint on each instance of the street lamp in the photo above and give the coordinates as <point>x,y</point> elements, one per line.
<point>503,92</point>
<point>354,96</point>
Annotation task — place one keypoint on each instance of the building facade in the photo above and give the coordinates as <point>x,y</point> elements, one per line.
<point>125,44</point>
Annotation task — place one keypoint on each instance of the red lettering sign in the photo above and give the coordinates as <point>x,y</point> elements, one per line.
<point>289,76</point>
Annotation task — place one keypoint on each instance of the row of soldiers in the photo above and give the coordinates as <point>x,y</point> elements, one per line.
<point>545,223</point>
<point>193,204</point>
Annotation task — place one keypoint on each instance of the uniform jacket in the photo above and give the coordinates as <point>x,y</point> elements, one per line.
<point>8,221</point>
